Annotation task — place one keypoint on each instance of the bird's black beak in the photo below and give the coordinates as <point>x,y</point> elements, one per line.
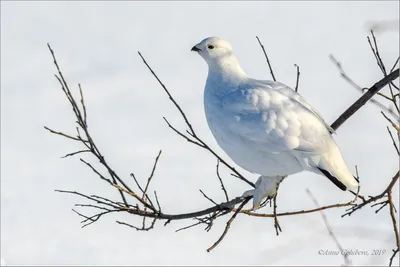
<point>195,49</point>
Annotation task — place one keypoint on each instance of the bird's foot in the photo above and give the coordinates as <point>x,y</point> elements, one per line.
<point>265,188</point>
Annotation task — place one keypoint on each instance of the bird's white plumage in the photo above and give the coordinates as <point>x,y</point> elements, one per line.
<point>264,126</point>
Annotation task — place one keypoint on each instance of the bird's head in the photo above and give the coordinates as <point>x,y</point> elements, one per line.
<point>222,62</point>
<point>213,49</point>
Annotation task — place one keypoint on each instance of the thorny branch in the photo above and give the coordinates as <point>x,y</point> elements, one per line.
<point>144,206</point>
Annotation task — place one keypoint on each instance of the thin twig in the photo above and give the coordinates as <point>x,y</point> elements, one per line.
<point>83,105</point>
<point>208,198</point>
<point>143,228</point>
<point>393,124</point>
<point>393,216</point>
<point>222,183</point>
<point>395,251</point>
<point>364,99</point>
<point>65,135</point>
<point>395,63</point>
<point>152,173</point>
<point>297,77</point>
<point>228,225</point>
<point>358,88</point>
<point>266,57</point>
<point>77,152</point>
<point>276,222</point>
<point>394,142</point>
<point>375,198</point>
<point>347,261</point>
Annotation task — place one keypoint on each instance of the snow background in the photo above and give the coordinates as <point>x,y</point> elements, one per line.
<point>96,43</point>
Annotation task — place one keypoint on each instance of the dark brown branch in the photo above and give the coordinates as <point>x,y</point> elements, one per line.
<point>83,105</point>
<point>394,142</point>
<point>181,134</point>
<point>394,223</point>
<point>189,226</point>
<point>395,63</point>
<point>158,203</point>
<point>152,173</point>
<point>395,251</point>
<point>85,196</point>
<point>83,125</point>
<point>376,53</point>
<point>169,95</point>
<point>65,135</point>
<point>297,77</point>
<point>137,183</point>
<point>382,67</point>
<point>208,198</point>
<point>266,57</point>
<point>228,224</point>
<point>133,194</point>
<point>143,228</point>
<point>364,99</point>
<point>199,142</point>
<point>91,206</point>
<point>74,153</point>
<point>277,226</point>
<point>358,88</point>
<point>383,204</point>
<point>375,198</point>
<point>266,215</point>
<point>97,172</point>
<point>222,183</point>
<point>393,124</point>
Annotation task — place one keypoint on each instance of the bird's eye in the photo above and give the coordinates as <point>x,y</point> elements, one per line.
<point>210,47</point>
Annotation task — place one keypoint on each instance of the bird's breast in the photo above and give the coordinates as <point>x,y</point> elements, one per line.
<point>226,129</point>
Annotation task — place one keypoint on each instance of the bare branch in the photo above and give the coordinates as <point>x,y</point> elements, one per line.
<point>83,105</point>
<point>77,152</point>
<point>393,216</point>
<point>347,261</point>
<point>395,251</point>
<point>358,88</point>
<point>228,225</point>
<point>276,222</point>
<point>364,99</point>
<point>297,77</point>
<point>158,203</point>
<point>65,135</point>
<point>266,57</point>
<point>394,142</point>
<point>395,63</point>
<point>375,198</point>
<point>181,134</point>
<point>143,228</point>
<point>152,173</point>
<point>393,124</point>
<point>208,198</point>
<point>222,184</point>
<point>169,95</point>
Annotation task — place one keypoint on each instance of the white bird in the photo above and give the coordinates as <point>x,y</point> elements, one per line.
<point>266,127</point>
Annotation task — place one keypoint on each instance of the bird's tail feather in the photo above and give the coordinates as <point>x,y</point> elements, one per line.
<point>333,166</point>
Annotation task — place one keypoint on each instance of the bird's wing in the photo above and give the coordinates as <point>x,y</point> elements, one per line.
<point>289,92</point>
<point>275,119</point>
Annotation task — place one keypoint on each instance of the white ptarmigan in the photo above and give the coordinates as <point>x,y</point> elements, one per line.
<point>266,127</point>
